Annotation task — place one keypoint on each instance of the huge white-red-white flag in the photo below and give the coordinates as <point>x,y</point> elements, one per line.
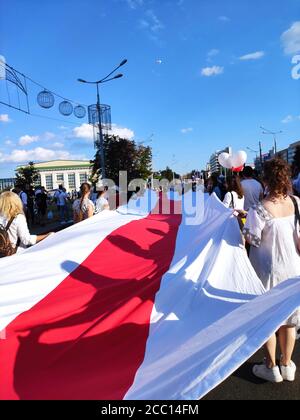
<point>134,305</point>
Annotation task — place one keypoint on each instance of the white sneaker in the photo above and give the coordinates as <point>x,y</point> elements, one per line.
<point>288,372</point>
<point>271,375</point>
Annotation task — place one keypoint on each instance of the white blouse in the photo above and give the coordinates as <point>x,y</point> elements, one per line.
<point>85,206</point>
<point>19,230</point>
<point>232,200</point>
<point>101,204</point>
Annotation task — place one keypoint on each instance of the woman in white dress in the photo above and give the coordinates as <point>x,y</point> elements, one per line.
<point>234,198</point>
<point>271,230</point>
<point>13,219</point>
<point>83,207</point>
<point>101,202</point>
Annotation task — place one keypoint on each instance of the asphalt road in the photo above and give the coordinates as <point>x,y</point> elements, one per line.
<point>243,385</point>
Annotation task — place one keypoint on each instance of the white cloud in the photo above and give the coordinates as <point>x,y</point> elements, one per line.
<point>224,18</point>
<point>134,4</point>
<point>23,140</point>
<point>155,24</point>
<point>48,136</point>
<point>58,145</point>
<point>151,23</point>
<point>212,71</point>
<point>213,52</point>
<point>85,131</point>
<point>4,118</point>
<point>37,154</point>
<point>253,56</point>
<point>290,118</point>
<point>8,142</point>
<point>290,39</point>
<point>123,132</point>
<point>186,130</point>
<point>144,24</point>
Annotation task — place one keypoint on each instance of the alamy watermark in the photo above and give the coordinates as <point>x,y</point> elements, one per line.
<point>157,197</point>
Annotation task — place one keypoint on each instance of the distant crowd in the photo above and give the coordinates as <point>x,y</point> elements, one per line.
<point>20,208</point>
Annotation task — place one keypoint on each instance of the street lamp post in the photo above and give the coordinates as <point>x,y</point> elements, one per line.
<point>256,153</point>
<point>100,145</point>
<point>274,134</point>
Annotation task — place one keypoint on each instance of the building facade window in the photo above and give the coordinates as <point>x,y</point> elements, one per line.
<point>83,178</point>
<point>38,181</point>
<point>7,183</point>
<point>49,182</point>
<point>72,181</point>
<point>60,178</point>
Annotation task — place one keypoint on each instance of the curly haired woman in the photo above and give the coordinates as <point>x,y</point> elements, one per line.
<point>270,229</point>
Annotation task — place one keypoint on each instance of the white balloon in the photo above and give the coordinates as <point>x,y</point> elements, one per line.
<point>229,163</point>
<point>223,157</point>
<point>239,159</point>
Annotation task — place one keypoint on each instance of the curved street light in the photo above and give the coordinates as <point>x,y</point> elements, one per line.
<point>97,83</point>
<point>274,134</point>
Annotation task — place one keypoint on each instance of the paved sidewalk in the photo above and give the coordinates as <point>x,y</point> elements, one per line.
<point>243,385</point>
<point>53,226</point>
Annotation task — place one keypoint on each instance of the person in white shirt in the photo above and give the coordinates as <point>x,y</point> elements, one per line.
<point>101,202</point>
<point>253,189</point>
<point>234,198</point>
<point>61,200</point>
<point>83,208</point>
<point>12,213</point>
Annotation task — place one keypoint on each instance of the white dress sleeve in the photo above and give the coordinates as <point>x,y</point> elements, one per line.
<point>227,200</point>
<point>23,233</point>
<point>254,226</point>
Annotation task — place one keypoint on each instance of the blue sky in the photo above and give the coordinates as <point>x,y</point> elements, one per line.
<point>201,75</point>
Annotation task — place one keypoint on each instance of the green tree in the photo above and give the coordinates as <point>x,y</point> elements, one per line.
<point>123,155</point>
<point>26,176</point>
<point>168,174</point>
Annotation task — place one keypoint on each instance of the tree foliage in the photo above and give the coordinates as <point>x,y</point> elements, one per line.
<point>26,176</point>
<point>123,155</point>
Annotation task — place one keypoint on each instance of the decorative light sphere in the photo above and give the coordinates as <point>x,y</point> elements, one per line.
<point>65,108</point>
<point>45,99</point>
<point>79,111</point>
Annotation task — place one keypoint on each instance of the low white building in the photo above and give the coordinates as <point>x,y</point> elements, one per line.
<point>69,173</point>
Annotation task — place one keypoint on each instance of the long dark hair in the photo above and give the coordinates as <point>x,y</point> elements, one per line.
<point>234,184</point>
<point>84,189</point>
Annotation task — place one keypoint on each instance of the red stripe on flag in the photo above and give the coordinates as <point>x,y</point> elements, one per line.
<point>87,338</point>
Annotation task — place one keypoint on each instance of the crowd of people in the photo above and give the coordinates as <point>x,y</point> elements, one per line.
<point>268,211</point>
<point>20,208</point>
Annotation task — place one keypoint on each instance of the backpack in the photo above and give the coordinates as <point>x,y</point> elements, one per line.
<point>6,248</point>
